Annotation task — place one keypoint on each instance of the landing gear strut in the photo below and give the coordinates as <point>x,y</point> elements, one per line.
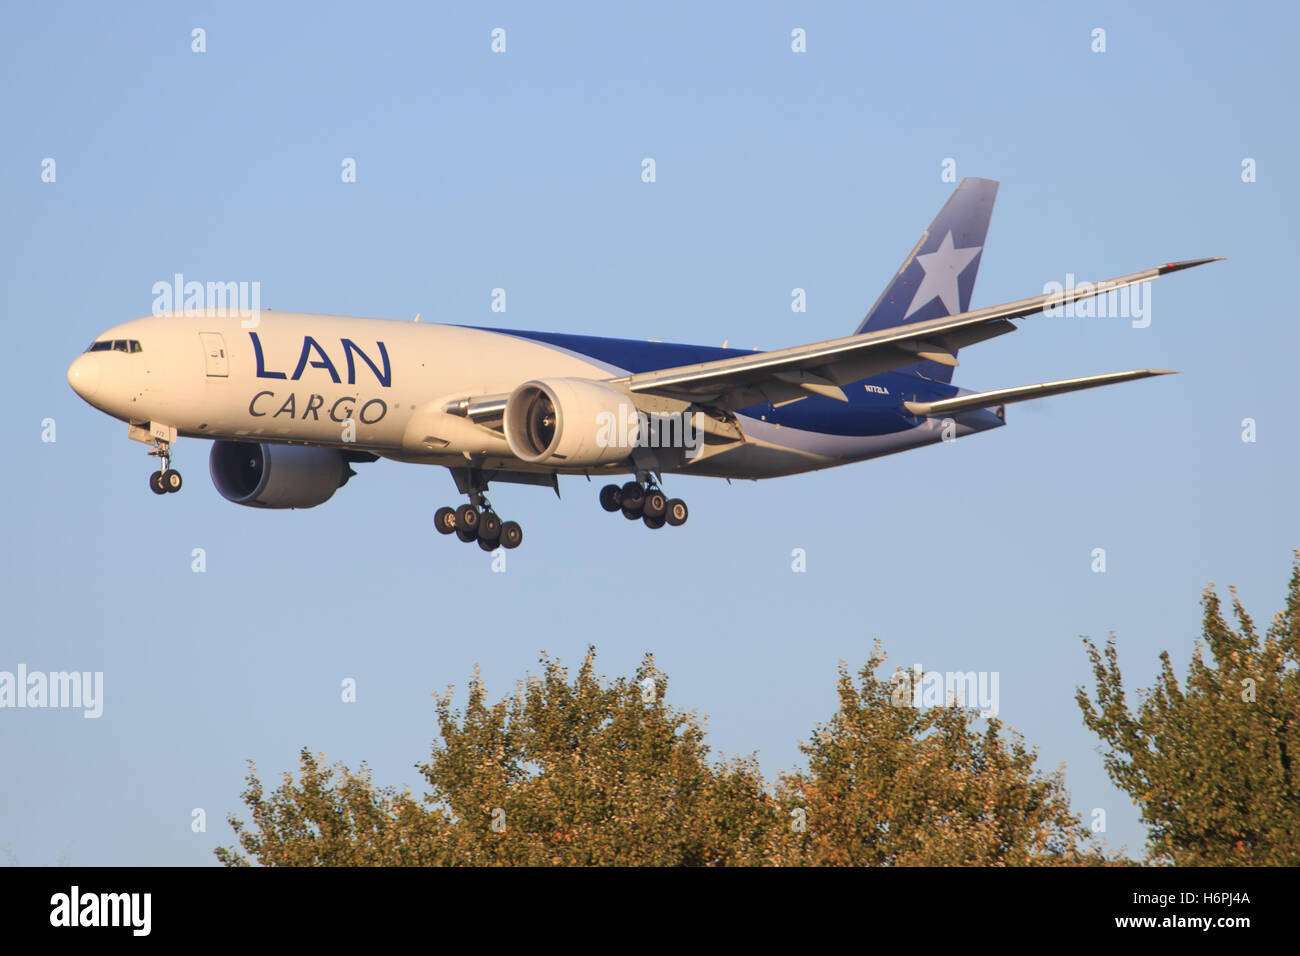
<point>644,499</point>
<point>167,479</point>
<point>477,521</point>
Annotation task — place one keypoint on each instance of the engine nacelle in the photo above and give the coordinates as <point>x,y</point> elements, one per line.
<point>567,422</point>
<point>276,476</point>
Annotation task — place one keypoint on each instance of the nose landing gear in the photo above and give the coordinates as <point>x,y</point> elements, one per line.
<point>167,479</point>
<point>645,501</point>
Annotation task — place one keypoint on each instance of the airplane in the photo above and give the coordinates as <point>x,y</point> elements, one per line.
<point>292,400</point>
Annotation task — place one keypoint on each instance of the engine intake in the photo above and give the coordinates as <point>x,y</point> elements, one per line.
<point>276,476</point>
<point>567,422</point>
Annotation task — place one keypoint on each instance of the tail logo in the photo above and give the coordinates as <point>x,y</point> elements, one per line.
<point>942,267</point>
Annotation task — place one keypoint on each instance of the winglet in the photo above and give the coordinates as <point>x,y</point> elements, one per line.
<point>1169,267</point>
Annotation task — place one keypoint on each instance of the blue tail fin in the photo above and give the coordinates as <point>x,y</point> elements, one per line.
<point>938,275</point>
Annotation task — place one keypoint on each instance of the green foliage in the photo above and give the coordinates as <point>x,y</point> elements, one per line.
<point>588,773</point>
<point>890,784</point>
<point>343,822</point>
<point>1210,763</point>
<point>594,772</point>
<point>560,773</point>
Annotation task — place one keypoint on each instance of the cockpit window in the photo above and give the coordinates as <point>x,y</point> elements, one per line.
<point>119,345</point>
<point>135,345</point>
<point>116,345</point>
<point>100,346</point>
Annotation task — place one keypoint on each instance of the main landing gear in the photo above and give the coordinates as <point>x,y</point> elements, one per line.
<point>645,501</point>
<point>478,522</point>
<point>168,479</point>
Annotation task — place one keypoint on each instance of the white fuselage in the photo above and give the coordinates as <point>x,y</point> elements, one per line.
<point>382,386</point>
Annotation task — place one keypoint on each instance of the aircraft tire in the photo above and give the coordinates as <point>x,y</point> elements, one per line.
<point>444,519</point>
<point>633,497</point>
<point>611,498</point>
<point>677,512</point>
<point>655,504</point>
<point>467,518</point>
<point>489,528</point>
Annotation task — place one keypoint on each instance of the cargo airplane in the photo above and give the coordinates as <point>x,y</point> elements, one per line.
<point>292,400</point>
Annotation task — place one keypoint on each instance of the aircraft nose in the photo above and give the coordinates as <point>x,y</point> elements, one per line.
<point>83,375</point>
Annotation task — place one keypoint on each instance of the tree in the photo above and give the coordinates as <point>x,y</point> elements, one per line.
<point>892,784</point>
<point>1210,764</point>
<point>596,772</point>
<point>584,773</point>
<point>323,821</point>
<point>590,774</point>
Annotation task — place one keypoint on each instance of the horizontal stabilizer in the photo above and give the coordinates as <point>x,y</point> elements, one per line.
<point>1023,393</point>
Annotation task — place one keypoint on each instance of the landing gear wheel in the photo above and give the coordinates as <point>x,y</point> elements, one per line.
<point>444,519</point>
<point>653,522</point>
<point>489,529</point>
<point>633,498</point>
<point>611,498</point>
<point>655,504</point>
<point>166,479</point>
<point>487,545</point>
<point>467,518</point>
<point>467,536</point>
<point>511,535</point>
<point>630,515</point>
<point>677,512</point>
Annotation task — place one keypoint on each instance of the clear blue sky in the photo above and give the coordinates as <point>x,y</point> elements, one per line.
<point>522,171</point>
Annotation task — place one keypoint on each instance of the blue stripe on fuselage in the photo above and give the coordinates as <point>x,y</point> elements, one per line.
<point>867,412</point>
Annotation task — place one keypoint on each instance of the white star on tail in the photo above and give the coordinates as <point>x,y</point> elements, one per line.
<point>942,267</point>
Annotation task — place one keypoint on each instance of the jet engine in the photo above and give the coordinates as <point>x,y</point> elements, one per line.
<point>570,422</point>
<point>276,476</point>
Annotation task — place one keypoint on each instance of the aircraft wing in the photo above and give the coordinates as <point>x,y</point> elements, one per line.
<point>821,368</point>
